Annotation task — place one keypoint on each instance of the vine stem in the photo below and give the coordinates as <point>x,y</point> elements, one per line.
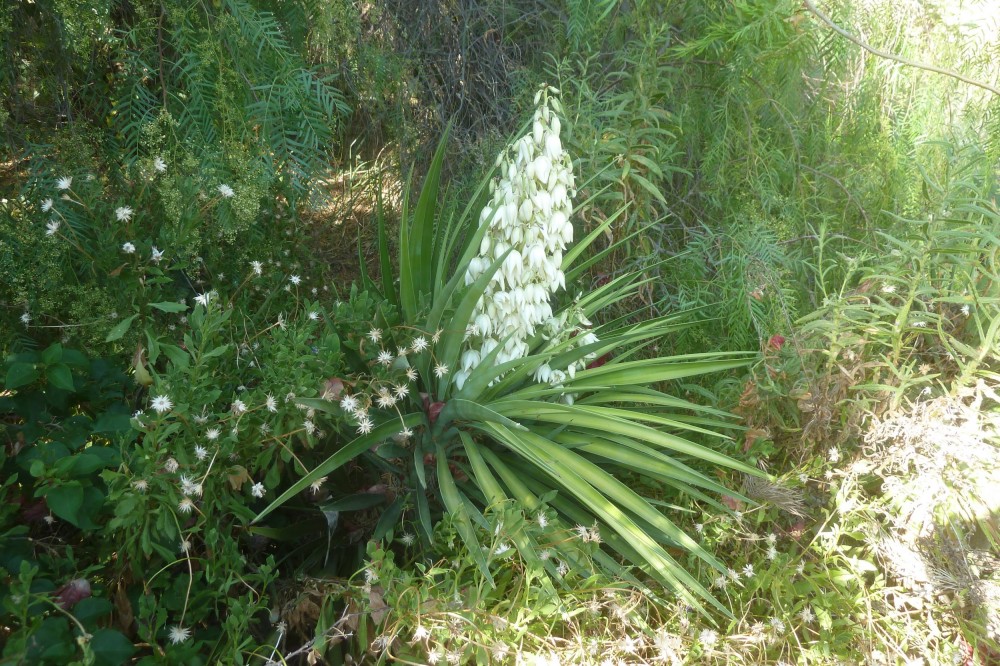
<point>892,56</point>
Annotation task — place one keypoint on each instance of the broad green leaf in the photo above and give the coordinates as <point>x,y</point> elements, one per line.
<point>60,377</point>
<point>453,502</point>
<point>20,374</point>
<point>120,328</point>
<point>169,306</point>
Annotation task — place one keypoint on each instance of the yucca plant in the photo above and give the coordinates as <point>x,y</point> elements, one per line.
<point>480,429</point>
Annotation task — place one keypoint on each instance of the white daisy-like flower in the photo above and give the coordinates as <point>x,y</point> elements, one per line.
<point>965,310</point>
<point>47,205</point>
<point>419,344</point>
<point>124,213</point>
<point>777,625</point>
<point>385,399</point>
<point>157,255</point>
<point>385,357</point>
<point>542,520</point>
<point>141,485</point>
<point>238,407</point>
<point>349,403</point>
<point>159,164</point>
<point>502,548</point>
<point>185,546</point>
<point>806,614</point>
<point>699,527</point>
<point>365,425</point>
<point>128,248</point>
<point>407,539</point>
<point>440,370</point>
<point>26,318</point>
<point>179,634</point>
<point>720,582</point>
<point>212,434</point>
<point>316,485</point>
<point>185,505</point>
<point>411,374</point>
<point>420,633</point>
<point>375,334</point>
<point>748,571</point>
<point>64,183</point>
<point>203,299</point>
<point>190,487</point>
<point>52,227</point>
<point>170,466</point>
<point>162,404</point>
<point>295,279</point>
<point>314,316</point>
<point>225,191</point>
<point>708,638</point>
<point>200,452</point>
<point>271,403</point>
<point>405,434</point>
<point>257,267</point>
<point>258,489</point>
<point>772,553</point>
<point>401,391</point>
<point>309,426</point>
<point>888,288</point>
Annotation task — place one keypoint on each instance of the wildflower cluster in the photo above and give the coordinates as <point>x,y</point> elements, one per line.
<point>529,216</point>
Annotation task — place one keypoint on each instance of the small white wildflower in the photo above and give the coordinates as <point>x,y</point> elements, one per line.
<point>295,279</point>
<point>965,310</point>
<point>699,528</point>
<point>440,370</point>
<point>140,485</point>
<point>317,484</point>
<point>185,505</point>
<point>806,615</point>
<point>364,425</point>
<point>888,288</point>
<point>419,344</point>
<point>375,334</point>
<point>833,455</point>
<point>179,634</point>
<point>170,466</point>
<point>708,638</point>
<point>407,539</point>
<point>257,267</point>
<point>128,248</point>
<point>720,582</point>
<point>26,318</point>
<point>124,213</point>
<point>542,520</point>
<point>64,183</point>
<point>156,255</point>
<point>212,434</point>
<point>411,374</point>
<point>502,548</point>
<point>777,625</point>
<point>162,404</point>
<point>385,357</point>
<point>225,191</point>
<point>314,316</point>
<point>47,205</point>
<point>772,553</point>
<point>309,426</point>
<point>349,404</point>
<point>800,568</point>
<point>920,324</point>
<point>434,656</point>
<point>52,227</point>
<point>385,399</point>
<point>271,404</point>
<point>200,452</point>
<point>748,571</point>
<point>203,299</point>
<point>159,164</point>
<point>185,546</point>
<point>258,489</point>
<point>733,574</point>
<point>238,407</point>
<point>401,391</point>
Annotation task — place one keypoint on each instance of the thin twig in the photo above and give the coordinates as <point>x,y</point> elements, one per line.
<point>891,56</point>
